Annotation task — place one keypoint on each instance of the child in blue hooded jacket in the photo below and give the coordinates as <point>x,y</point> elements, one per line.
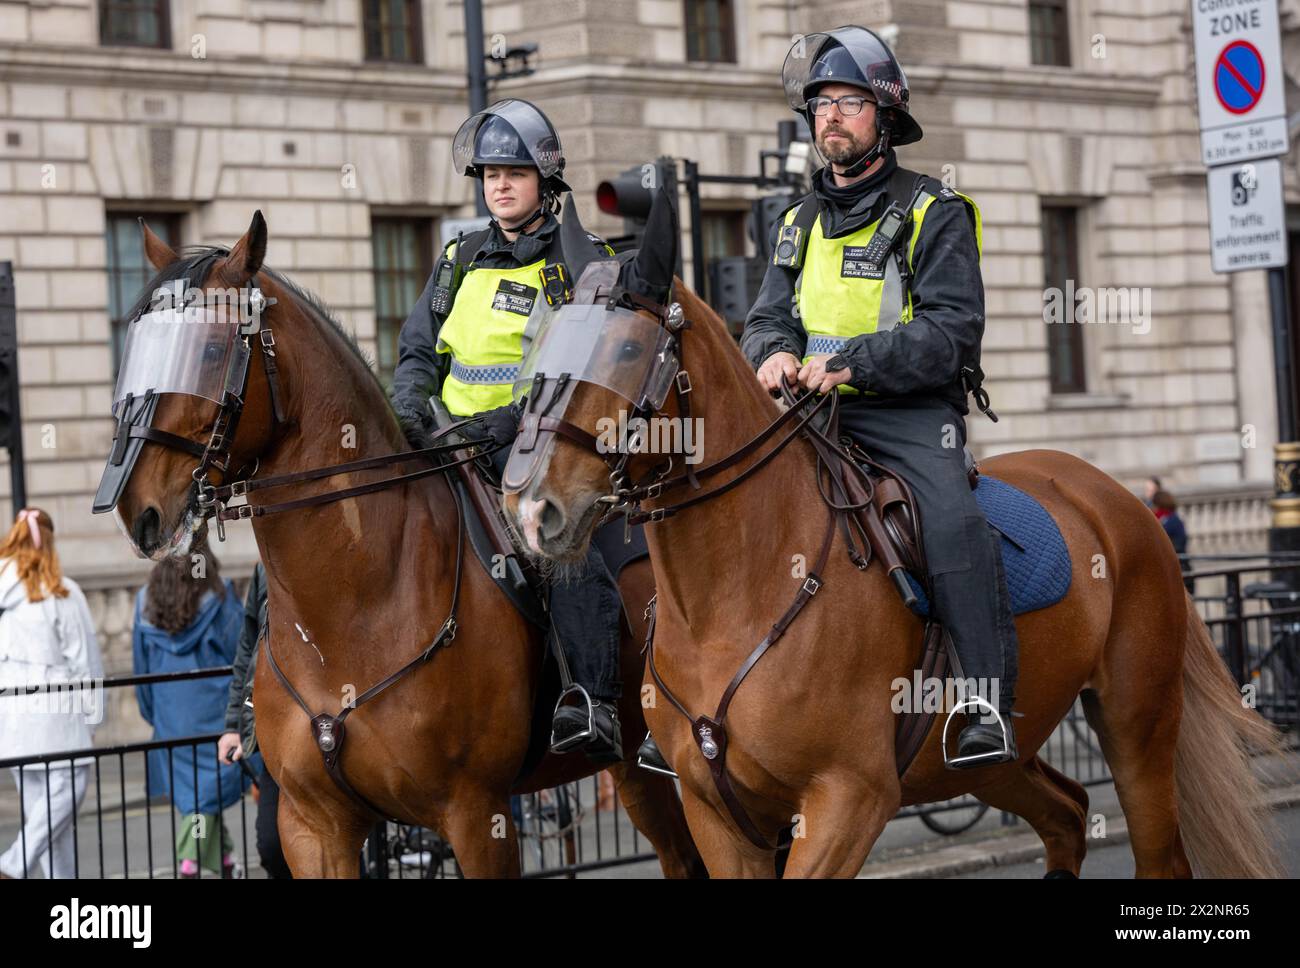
<point>188,618</point>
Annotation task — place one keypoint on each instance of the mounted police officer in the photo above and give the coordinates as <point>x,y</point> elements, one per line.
<point>463,343</point>
<point>875,292</point>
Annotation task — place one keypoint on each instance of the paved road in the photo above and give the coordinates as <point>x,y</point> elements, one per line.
<point>1117,861</point>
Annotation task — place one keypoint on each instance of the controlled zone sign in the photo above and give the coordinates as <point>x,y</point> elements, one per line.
<point>1240,92</point>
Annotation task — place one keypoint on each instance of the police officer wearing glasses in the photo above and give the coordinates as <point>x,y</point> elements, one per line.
<point>875,293</point>
<point>463,345</point>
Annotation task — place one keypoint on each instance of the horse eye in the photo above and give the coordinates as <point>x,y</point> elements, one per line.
<point>629,351</point>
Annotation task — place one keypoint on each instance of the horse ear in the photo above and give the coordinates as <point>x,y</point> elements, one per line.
<point>575,242</point>
<point>246,255</point>
<point>651,273</point>
<point>158,252</point>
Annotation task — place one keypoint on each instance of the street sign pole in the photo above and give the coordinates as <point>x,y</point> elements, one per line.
<point>9,363</point>
<point>1241,102</point>
<point>476,75</point>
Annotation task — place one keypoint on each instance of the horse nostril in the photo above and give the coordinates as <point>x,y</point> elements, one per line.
<point>552,520</point>
<point>147,530</point>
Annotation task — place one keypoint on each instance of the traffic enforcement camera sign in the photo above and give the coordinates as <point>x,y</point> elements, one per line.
<point>1247,217</point>
<point>1239,85</point>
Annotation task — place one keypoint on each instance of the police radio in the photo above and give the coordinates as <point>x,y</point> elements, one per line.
<point>886,232</point>
<point>443,284</point>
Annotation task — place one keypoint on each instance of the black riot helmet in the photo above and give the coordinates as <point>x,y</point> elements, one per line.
<point>858,57</point>
<point>511,132</point>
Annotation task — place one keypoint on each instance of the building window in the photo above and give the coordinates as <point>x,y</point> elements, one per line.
<point>128,269</point>
<point>710,31</point>
<point>134,23</point>
<point>393,31</point>
<point>1049,33</point>
<point>403,262</point>
<point>1061,276</point>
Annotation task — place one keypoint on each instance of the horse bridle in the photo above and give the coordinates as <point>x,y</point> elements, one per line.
<point>213,501</point>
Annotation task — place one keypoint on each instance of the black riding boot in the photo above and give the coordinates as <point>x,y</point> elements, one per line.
<point>586,612</point>
<point>984,737</point>
<point>650,757</point>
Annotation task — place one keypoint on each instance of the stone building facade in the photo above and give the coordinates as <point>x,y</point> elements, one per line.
<point>1071,118</point>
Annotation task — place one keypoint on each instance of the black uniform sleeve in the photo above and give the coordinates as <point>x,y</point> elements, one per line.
<point>948,322</point>
<point>771,326</point>
<point>420,368</point>
<point>254,607</point>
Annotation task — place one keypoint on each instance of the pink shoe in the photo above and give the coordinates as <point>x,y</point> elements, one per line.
<point>189,868</point>
<point>228,867</point>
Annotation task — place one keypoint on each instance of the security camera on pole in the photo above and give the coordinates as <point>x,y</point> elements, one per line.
<point>1241,102</point>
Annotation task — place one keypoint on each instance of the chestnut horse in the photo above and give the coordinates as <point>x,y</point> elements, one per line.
<point>811,736</point>
<point>358,588</point>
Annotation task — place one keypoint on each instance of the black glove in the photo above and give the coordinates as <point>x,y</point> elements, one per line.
<point>501,424</point>
<point>418,430</point>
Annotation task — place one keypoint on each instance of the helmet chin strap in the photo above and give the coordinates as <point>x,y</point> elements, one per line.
<point>547,204</point>
<point>522,225</point>
<point>866,161</point>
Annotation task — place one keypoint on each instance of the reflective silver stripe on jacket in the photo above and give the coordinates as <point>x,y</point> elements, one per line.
<point>492,373</point>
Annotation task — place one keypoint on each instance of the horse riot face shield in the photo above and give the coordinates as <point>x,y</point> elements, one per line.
<point>618,349</point>
<point>196,350</point>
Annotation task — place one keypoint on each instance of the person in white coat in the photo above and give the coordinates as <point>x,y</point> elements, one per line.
<point>46,637</point>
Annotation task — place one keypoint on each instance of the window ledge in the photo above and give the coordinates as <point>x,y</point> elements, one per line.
<point>1087,401</point>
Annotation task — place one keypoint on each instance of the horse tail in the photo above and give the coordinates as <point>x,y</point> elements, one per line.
<point>1226,828</point>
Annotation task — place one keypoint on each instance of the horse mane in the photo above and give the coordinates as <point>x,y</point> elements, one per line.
<point>699,312</point>
<point>196,263</point>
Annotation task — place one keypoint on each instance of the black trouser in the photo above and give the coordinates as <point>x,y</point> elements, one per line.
<point>585,606</point>
<point>268,833</point>
<point>923,441</point>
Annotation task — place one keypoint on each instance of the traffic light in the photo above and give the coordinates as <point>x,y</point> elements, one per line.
<point>630,193</point>
<point>764,213</point>
<point>733,286</point>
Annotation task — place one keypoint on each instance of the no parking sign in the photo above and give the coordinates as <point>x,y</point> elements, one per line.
<point>1239,85</point>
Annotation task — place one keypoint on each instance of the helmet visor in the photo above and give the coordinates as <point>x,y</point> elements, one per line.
<point>535,134</point>
<point>195,350</point>
<point>864,61</point>
<point>618,349</point>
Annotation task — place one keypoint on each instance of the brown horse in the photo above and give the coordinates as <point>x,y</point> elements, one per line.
<point>359,587</point>
<point>811,735</point>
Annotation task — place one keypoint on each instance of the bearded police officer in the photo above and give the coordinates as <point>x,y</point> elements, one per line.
<point>464,342</point>
<point>875,293</point>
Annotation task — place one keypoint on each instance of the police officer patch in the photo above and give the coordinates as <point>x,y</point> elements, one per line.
<point>514,297</point>
<point>855,264</point>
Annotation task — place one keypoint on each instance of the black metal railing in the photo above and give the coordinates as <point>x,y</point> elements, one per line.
<point>1249,607</point>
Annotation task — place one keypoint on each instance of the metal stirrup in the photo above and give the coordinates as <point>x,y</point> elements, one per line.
<point>958,762</point>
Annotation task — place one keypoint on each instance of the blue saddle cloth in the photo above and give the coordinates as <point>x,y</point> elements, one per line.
<point>1034,555</point>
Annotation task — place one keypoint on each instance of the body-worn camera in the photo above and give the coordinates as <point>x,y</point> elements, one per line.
<point>555,284</point>
<point>789,247</point>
